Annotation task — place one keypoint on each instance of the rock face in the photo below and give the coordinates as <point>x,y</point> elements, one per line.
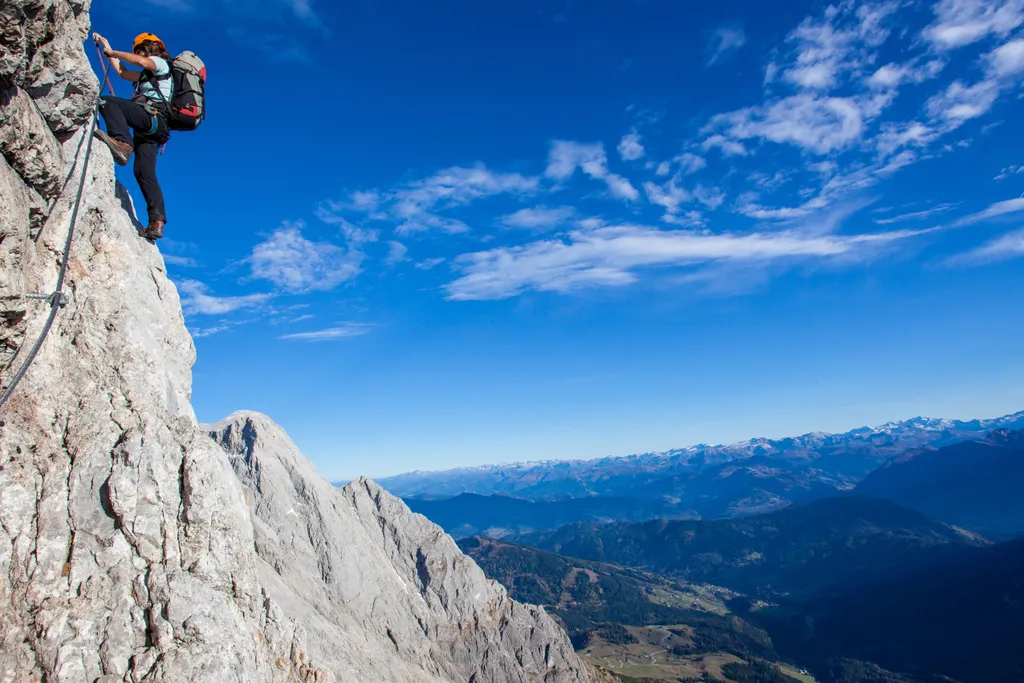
<point>357,567</point>
<point>132,546</point>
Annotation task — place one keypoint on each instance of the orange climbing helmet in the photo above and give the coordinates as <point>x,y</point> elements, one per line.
<point>143,37</point>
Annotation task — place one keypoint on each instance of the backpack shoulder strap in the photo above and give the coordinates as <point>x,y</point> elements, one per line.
<point>149,75</point>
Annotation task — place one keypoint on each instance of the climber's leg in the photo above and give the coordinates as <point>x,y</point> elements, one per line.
<point>121,116</point>
<point>146,152</point>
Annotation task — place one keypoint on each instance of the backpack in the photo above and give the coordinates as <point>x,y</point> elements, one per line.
<point>187,107</point>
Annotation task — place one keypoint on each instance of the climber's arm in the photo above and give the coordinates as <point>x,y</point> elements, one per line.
<point>124,73</point>
<point>130,57</point>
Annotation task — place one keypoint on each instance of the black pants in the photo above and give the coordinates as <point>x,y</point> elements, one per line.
<point>122,118</point>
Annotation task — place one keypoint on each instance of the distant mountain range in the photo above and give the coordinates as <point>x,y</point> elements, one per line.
<point>977,484</point>
<point>943,468</point>
<point>803,549</point>
<point>777,471</point>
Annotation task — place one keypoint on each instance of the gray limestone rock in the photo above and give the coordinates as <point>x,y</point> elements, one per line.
<point>41,51</point>
<point>357,567</point>
<point>27,143</point>
<point>135,548</point>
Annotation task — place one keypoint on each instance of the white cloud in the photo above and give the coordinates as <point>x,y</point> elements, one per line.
<point>539,218</point>
<point>892,75</point>
<point>457,186</point>
<point>425,222</point>
<point>687,219</point>
<point>752,209</point>
<point>1010,245</point>
<point>993,211</point>
<point>726,39</point>
<point>611,256</point>
<point>630,148</point>
<point>200,332</point>
<point>960,103</point>
<point>198,301</point>
<point>183,261</point>
<point>1006,60</point>
<point>365,200</point>
<point>417,206</point>
<point>296,264</point>
<point>430,263</point>
<point>962,22</point>
<point>396,253</point>
<point>690,163</point>
<point>565,157</point>
<point>664,168</point>
<point>344,331</point>
<point>814,123</point>
<point>1009,171</point>
<point>842,40</point>
<point>668,195</point>
<point>916,215</point>
<point>896,136</point>
<point>711,197</point>
<point>730,148</point>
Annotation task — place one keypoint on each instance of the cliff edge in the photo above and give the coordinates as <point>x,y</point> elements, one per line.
<point>135,547</point>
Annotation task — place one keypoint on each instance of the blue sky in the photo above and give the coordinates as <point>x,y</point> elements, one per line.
<point>423,235</point>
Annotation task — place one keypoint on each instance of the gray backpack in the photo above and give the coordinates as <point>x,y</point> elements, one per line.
<point>187,107</point>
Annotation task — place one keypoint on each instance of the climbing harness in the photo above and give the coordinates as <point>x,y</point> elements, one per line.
<point>58,299</point>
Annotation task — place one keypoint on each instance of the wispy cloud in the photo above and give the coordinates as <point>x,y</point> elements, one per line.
<point>397,253</point>
<point>630,148</point>
<point>197,300</point>
<point>539,218</point>
<point>993,211</point>
<point>430,263</point>
<point>809,121</point>
<point>296,264</point>
<point>1007,60</point>
<point>690,163</point>
<point>842,40</point>
<point>729,148</point>
<point>343,331</point>
<point>418,207</point>
<point>182,261</point>
<point>962,22</point>
<point>1010,245</point>
<point>1009,171</point>
<point>565,157</point>
<point>726,39</point>
<point>916,215</point>
<point>827,91</point>
<point>611,257</point>
<point>200,332</point>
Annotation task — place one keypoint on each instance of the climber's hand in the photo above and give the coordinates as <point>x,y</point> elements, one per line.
<point>100,40</point>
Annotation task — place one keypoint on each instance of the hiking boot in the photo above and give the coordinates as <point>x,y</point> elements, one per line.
<point>122,151</point>
<point>154,231</point>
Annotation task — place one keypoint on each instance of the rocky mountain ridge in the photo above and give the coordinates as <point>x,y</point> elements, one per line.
<point>133,546</point>
<point>837,460</point>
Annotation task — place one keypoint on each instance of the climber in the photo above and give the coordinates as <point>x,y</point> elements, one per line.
<point>145,114</point>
